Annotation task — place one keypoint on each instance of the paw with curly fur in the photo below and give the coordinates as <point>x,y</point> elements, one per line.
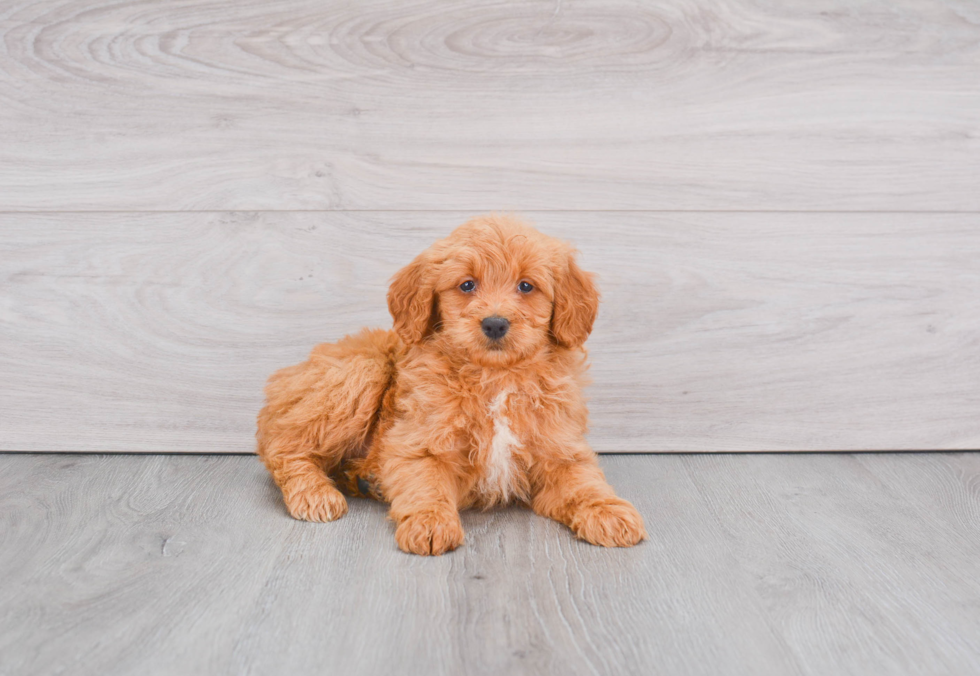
<point>319,502</point>
<point>429,533</point>
<point>609,524</point>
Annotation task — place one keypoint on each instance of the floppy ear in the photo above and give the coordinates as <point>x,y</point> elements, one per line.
<point>412,300</point>
<point>576,304</point>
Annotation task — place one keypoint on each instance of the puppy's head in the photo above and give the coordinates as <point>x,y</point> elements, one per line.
<point>496,290</point>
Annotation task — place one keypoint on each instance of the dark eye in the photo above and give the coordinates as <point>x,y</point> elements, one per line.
<point>525,287</point>
<point>467,286</point>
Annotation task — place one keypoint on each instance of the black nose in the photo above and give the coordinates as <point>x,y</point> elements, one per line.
<point>495,328</point>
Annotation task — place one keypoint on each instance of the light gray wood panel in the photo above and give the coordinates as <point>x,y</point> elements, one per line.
<point>156,332</point>
<point>311,104</point>
<point>948,485</point>
<point>847,568</point>
<point>756,565</point>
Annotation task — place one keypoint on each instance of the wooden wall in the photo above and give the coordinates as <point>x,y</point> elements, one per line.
<point>782,201</point>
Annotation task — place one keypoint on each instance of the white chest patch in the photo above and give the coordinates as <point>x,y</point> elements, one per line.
<point>499,476</point>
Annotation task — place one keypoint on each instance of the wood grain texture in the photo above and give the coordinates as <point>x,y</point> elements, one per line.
<point>756,565</point>
<point>141,332</point>
<point>846,564</point>
<point>312,104</point>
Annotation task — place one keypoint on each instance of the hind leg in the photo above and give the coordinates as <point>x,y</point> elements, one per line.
<point>320,413</point>
<point>309,494</point>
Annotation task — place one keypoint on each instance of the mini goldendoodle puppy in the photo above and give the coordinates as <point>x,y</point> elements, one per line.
<point>473,400</point>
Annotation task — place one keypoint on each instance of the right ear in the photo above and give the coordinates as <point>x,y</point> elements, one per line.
<point>576,304</point>
<point>412,298</point>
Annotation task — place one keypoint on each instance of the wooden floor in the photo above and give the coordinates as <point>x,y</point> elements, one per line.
<point>756,564</point>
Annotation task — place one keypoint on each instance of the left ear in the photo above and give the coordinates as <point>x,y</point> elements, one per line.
<point>576,304</point>
<point>412,299</point>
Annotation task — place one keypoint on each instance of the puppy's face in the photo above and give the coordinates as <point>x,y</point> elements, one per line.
<point>495,290</point>
<point>495,297</point>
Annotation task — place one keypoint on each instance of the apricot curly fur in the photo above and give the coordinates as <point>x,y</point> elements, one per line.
<point>434,417</point>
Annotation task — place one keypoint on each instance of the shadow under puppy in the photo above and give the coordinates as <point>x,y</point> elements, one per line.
<point>474,399</point>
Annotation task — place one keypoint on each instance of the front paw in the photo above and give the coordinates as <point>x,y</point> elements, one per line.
<point>429,533</point>
<point>318,502</point>
<point>609,524</point>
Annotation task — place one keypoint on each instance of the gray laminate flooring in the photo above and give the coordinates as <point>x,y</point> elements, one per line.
<point>756,564</point>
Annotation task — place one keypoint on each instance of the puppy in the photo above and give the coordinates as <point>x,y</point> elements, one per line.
<point>473,400</point>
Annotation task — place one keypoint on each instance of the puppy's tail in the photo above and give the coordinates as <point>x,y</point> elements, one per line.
<point>325,409</point>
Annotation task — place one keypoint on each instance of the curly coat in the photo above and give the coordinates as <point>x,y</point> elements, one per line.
<point>434,416</point>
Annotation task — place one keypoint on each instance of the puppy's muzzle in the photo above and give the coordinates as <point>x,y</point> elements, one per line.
<point>495,327</point>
